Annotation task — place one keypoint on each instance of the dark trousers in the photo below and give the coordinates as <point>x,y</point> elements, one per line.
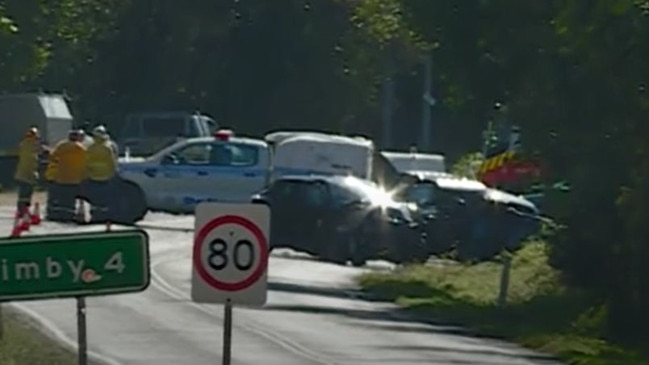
<point>62,201</point>
<point>51,196</point>
<point>25,193</point>
<point>99,194</point>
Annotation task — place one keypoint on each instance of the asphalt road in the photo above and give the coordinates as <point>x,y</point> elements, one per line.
<point>313,316</point>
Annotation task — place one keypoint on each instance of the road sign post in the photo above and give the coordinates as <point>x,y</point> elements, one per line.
<point>74,265</point>
<point>82,337</point>
<point>230,259</point>
<point>227,333</point>
<point>82,327</point>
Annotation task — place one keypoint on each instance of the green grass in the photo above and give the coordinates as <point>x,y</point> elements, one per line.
<point>22,344</point>
<point>540,313</point>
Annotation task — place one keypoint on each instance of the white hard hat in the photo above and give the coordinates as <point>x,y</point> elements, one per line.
<point>100,131</point>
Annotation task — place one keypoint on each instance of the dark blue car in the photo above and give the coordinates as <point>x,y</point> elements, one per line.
<point>468,217</point>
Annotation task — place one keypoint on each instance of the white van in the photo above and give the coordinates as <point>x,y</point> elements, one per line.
<point>411,162</point>
<point>313,153</point>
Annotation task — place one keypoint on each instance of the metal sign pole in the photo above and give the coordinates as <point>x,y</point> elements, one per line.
<point>82,327</point>
<point>227,333</point>
<point>82,339</point>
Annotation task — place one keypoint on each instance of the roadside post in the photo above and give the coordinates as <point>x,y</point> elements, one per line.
<point>230,259</point>
<point>77,265</point>
<point>504,279</point>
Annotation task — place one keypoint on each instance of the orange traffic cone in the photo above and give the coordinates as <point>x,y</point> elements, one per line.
<point>36,215</point>
<point>17,229</point>
<point>25,220</point>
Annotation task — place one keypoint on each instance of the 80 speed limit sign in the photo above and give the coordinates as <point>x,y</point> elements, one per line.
<point>230,253</point>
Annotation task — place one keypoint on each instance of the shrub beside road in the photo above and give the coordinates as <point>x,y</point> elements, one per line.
<point>540,314</point>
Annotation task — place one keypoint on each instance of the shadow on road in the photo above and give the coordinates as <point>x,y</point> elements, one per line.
<point>343,293</point>
<point>478,352</point>
<point>391,320</point>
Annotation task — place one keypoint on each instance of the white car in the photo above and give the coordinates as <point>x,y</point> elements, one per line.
<point>221,168</point>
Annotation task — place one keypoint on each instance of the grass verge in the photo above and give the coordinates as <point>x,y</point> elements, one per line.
<point>540,313</point>
<point>23,344</point>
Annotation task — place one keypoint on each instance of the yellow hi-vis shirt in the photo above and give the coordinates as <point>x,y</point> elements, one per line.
<point>27,169</point>
<point>101,162</point>
<point>51,169</point>
<point>69,159</point>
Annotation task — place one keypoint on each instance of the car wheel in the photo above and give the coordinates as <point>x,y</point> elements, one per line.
<point>130,206</point>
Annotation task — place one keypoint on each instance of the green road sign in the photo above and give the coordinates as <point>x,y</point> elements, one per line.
<point>70,265</point>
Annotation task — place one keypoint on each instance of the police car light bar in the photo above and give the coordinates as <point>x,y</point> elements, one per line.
<point>223,134</point>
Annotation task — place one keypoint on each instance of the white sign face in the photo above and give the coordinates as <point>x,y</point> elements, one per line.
<point>230,254</point>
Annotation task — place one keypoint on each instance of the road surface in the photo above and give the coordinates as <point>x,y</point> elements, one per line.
<point>312,317</point>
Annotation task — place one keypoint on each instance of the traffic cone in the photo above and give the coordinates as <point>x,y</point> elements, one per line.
<point>17,229</point>
<point>25,220</point>
<point>36,216</point>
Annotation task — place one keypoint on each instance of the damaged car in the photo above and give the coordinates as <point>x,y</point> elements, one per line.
<point>340,218</point>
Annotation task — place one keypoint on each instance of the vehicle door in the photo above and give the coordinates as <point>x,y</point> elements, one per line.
<point>235,171</point>
<point>347,209</point>
<point>183,177</point>
<point>283,198</point>
<point>296,218</point>
<point>311,213</point>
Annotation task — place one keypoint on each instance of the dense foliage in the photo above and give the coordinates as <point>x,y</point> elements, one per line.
<point>573,74</point>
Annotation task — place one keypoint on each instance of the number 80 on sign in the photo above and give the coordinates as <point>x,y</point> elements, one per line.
<point>230,253</point>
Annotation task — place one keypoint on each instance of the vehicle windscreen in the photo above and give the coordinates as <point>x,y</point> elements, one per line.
<point>307,193</point>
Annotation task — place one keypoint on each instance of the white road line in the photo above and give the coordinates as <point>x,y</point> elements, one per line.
<point>271,336</point>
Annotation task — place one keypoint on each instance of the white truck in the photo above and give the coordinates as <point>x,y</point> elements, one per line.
<point>143,134</point>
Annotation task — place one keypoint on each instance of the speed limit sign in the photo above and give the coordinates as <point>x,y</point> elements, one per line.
<point>230,253</point>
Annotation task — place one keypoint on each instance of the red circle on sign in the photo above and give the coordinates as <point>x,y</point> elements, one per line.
<point>259,238</point>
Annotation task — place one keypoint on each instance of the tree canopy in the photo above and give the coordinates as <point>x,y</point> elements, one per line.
<point>572,73</point>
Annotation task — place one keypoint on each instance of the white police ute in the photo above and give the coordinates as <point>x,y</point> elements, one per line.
<point>222,168</point>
